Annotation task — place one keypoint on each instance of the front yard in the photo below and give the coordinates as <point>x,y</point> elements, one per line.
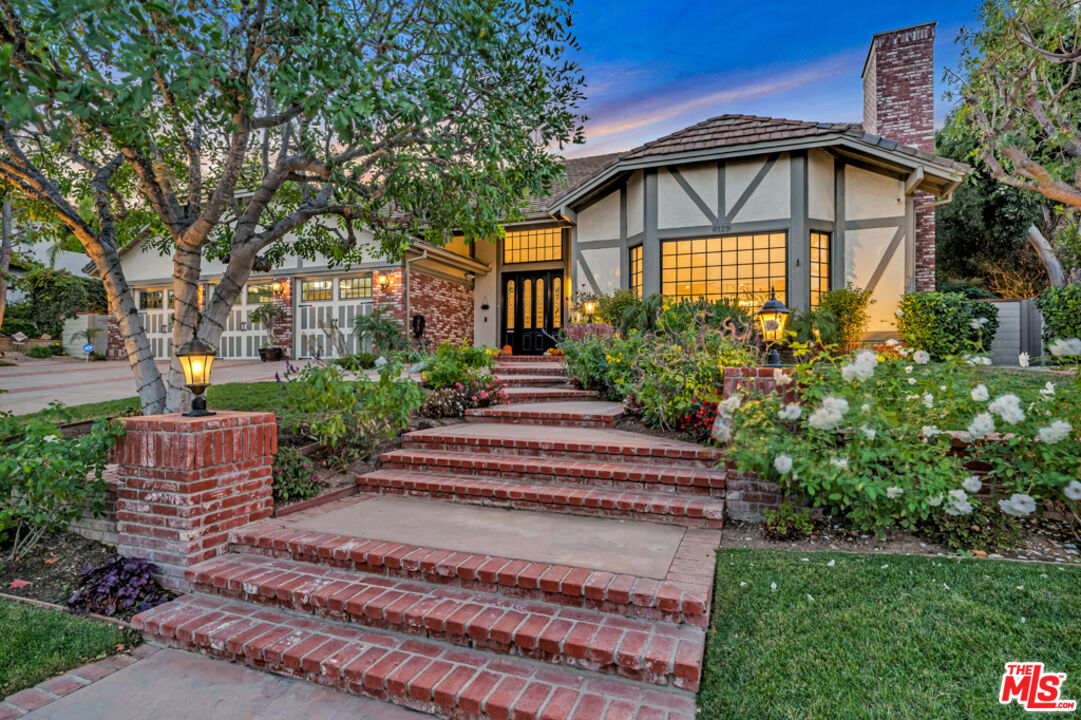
<point>839,635</point>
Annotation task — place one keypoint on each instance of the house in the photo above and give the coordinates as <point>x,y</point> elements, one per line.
<point>735,206</point>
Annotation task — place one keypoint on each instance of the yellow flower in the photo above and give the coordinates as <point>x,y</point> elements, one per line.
<point>424,376</point>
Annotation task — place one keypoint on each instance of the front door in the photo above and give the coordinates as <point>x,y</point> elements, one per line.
<point>532,310</point>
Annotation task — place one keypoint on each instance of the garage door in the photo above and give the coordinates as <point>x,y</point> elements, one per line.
<point>156,312</point>
<point>329,307</point>
<point>242,338</point>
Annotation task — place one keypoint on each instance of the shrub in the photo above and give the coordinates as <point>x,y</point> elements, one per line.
<point>658,312</point>
<point>1061,309</point>
<point>451,364</point>
<point>384,332</point>
<point>121,587</point>
<point>869,439</point>
<point>53,296</point>
<point>848,306</point>
<point>586,362</point>
<point>477,391</point>
<point>42,352</point>
<point>788,522</point>
<point>349,416</point>
<point>985,528</point>
<point>47,480</point>
<point>356,361</point>
<point>294,476</point>
<point>698,421</point>
<point>946,324</point>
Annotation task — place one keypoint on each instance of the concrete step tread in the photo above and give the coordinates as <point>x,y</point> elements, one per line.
<point>641,650</point>
<point>678,509</point>
<point>686,601</point>
<point>431,677</point>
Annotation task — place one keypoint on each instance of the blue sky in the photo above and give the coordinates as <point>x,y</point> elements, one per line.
<point>655,66</point>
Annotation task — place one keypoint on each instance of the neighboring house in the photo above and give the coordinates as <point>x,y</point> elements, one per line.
<point>47,255</point>
<point>735,206</point>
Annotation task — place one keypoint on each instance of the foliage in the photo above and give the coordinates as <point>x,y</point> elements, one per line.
<point>788,522</point>
<point>42,352</point>
<point>356,361</point>
<point>934,634</point>
<point>451,364</point>
<point>40,643</point>
<point>381,330</point>
<point>848,307</point>
<point>657,312</point>
<point>53,296</point>
<point>642,315</point>
<point>269,314</point>
<point>135,121</point>
<point>586,362</point>
<point>89,334</point>
<point>48,480</point>
<point>347,416</point>
<point>817,326</point>
<point>985,528</point>
<point>122,587</point>
<point>293,475</point>
<point>476,391</point>
<point>610,308</point>
<point>698,421</point>
<point>946,324</point>
<point>1061,310</point>
<point>869,439</point>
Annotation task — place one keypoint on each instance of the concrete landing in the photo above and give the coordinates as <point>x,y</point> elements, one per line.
<point>565,407</point>
<point>642,549</point>
<point>183,686</point>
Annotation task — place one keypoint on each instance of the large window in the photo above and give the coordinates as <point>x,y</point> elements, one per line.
<point>522,246</point>
<point>820,266</point>
<point>743,268</point>
<point>636,270</point>
<point>355,288</point>
<point>315,290</point>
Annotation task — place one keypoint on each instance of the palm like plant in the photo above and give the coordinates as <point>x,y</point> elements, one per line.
<point>384,332</point>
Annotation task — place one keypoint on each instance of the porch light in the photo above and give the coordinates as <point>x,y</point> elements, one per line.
<point>383,281</point>
<point>276,287</point>
<point>589,307</point>
<point>773,317</point>
<point>196,357</point>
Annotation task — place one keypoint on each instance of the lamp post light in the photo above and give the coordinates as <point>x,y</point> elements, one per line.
<point>589,307</point>
<point>196,357</point>
<point>773,316</point>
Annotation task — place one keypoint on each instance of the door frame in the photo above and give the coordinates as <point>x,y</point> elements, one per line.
<point>551,330</point>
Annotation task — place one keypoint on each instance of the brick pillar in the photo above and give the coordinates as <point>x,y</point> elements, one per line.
<point>183,483</point>
<point>392,297</point>
<point>114,340</point>
<point>899,104</point>
<point>283,327</point>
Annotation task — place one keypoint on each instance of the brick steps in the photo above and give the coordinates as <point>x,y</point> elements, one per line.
<point>597,444</point>
<point>526,368</point>
<point>553,359</point>
<point>428,676</point>
<point>577,413</point>
<point>528,394</point>
<point>669,508</point>
<point>618,594</point>
<point>644,651</point>
<point>570,471</point>
<point>531,380</point>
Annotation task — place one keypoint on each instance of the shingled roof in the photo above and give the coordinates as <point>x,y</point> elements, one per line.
<point>579,170</point>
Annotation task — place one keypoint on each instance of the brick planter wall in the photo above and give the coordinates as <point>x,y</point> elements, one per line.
<point>580,331</point>
<point>103,527</point>
<point>183,483</point>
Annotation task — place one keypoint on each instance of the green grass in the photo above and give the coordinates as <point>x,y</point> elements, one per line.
<point>882,643</point>
<point>37,643</point>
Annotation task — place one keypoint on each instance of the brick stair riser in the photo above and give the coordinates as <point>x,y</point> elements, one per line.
<point>534,380</point>
<point>626,511</point>
<point>633,654</point>
<point>554,359</point>
<point>605,600</point>
<point>646,478</point>
<point>540,420</point>
<point>523,369</point>
<point>537,394</point>
<point>557,450</point>
<point>451,683</point>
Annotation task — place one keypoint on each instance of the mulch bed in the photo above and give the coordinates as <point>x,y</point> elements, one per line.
<point>52,566</point>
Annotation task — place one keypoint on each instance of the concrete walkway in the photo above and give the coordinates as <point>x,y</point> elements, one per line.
<point>183,686</point>
<point>33,384</point>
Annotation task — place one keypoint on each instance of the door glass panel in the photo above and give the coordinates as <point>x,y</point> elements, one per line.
<point>540,303</point>
<point>557,302</point>
<point>510,304</point>
<point>527,304</point>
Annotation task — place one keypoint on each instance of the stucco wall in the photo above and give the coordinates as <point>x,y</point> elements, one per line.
<point>820,185</point>
<point>486,291</point>
<point>773,197</point>
<point>605,265</point>
<point>600,221</point>
<point>675,208</point>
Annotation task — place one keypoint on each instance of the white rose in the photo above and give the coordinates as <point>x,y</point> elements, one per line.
<point>979,393</point>
<point>921,357</point>
<point>783,463</point>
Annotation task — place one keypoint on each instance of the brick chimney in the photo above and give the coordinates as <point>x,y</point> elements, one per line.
<point>899,104</point>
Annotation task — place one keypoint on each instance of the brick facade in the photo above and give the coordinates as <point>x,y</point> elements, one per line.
<point>114,340</point>
<point>283,328</point>
<point>580,331</point>
<point>746,496</point>
<point>899,101</point>
<point>183,483</point>
<point>447,306</point>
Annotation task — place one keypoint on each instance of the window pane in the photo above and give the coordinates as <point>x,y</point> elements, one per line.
<point>540,303</point>
<point>510,304</point>
<point>355,288</point>
<point>527,304</point>
<point>316,290</point>
<point>746,275</point>
<point>636,269</point>
<point>820,266</point>
<point>543,245</point>
<point>557,302</point>
<point>260,293</point>
<point>151,300</point>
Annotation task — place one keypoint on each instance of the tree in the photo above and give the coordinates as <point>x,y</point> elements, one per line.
<point>53,296</point>
<point>247,130</point>
<point>7,240</point>
<point>1018,78</point>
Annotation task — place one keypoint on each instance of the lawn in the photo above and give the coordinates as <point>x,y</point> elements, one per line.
<point>883,636</point>
<point>37,643</point>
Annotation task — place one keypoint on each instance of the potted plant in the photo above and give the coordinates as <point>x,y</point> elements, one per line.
<point>270,314</point>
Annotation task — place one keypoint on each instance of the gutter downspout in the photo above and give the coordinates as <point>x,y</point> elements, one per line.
<point>405,286</point>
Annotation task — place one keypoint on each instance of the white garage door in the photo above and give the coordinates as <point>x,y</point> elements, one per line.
<point>156,312</point>
<point>329,307</point>
<point>242,338</point>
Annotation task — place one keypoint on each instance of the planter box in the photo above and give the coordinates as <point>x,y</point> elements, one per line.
<point>270,354</point>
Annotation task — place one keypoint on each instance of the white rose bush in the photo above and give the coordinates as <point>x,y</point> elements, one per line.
<point>887,439</point>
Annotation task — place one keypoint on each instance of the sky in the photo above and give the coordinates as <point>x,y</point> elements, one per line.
<point>655,66</point>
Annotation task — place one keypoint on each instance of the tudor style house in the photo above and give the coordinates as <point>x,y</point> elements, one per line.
<point>734,206</point>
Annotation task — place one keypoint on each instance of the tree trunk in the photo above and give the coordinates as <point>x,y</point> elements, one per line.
<point>1055,274</point>
<point>187,267</point>
<point>6,241</point>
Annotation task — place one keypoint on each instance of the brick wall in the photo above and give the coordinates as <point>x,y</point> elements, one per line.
<point>183,483</point>
<point>900,76</point>
<point>579,331</point>
<point>103,527</point>
<point>447,306</point>
<point>283,327</point>
<point>114,340</point>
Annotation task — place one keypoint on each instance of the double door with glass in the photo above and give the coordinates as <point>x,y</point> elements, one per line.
<point>532,310</point>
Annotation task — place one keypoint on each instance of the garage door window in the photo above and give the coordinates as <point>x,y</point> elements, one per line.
<point>315,290</point>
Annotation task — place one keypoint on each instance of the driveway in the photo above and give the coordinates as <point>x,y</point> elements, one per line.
<point>33,384</point>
